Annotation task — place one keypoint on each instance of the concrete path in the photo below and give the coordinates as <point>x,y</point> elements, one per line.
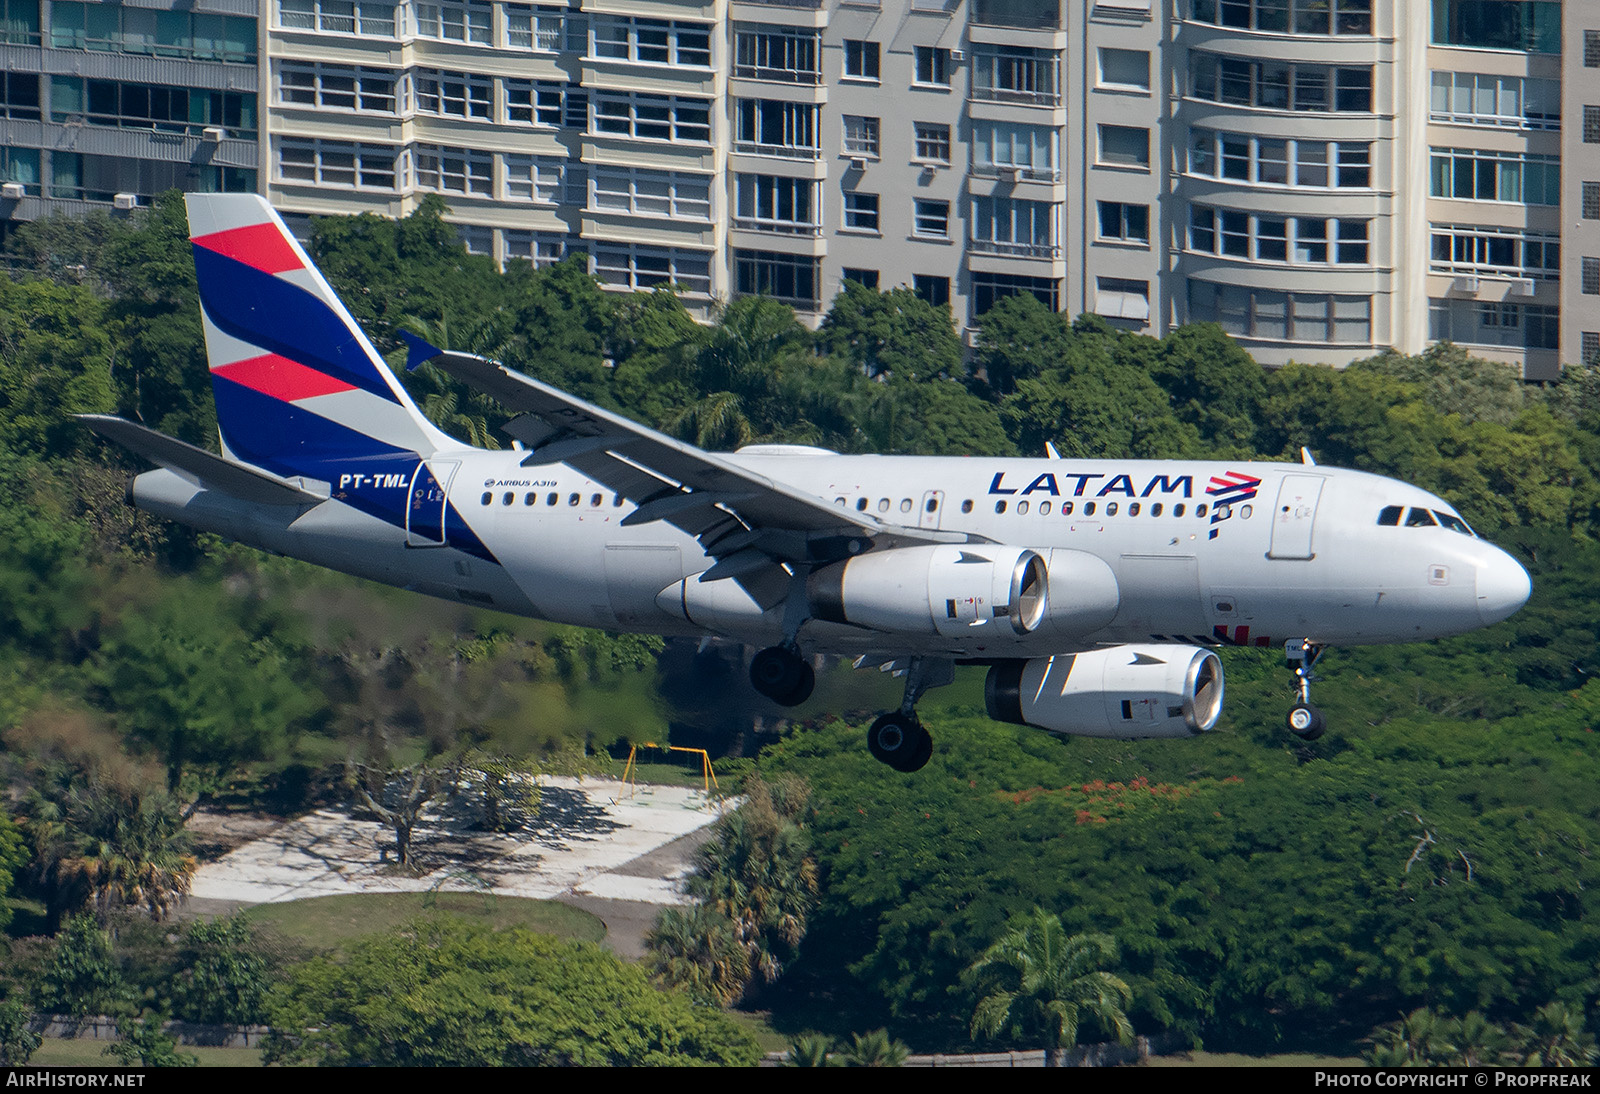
<point>616,851</point>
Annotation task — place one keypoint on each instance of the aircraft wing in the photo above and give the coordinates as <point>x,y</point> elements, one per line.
<point>743,518</point>
<point>202,467</point>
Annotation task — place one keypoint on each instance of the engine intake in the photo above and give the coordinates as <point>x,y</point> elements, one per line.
<point>1122,691</point>
<point>945,590</point>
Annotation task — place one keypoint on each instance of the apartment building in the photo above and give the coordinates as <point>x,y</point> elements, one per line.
<point>1322,177</point>
<point>109,104</point>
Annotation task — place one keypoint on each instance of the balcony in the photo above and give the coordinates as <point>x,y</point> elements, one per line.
<point>802,5</point>
<point>780,227</point>
<point>1013,249</point>
<point>777,75</point>
<point>1021,14</point>
<point>779,151</point>
<point>1015,95</point>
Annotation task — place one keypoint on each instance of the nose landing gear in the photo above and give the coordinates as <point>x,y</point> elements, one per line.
<point>1304,721</point>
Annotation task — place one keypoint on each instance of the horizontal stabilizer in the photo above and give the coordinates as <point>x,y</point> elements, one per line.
<point>205,468</point>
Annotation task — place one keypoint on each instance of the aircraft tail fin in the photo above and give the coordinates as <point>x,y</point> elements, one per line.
<point>297,384</point>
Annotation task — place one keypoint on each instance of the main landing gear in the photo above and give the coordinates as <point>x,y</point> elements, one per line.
<point>782,675</point>
<point>897,738</point>
<point>1305,721</point>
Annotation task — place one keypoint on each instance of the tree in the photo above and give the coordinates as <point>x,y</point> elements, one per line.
<point>225,978</point>
<point>442,992</point>
<point>808,1050</point>
<point>1038,981</point>
<point>17,1041</point>
<point>896,333</point>
<point>144,1042</point>
<point>1556,1038</point>
<point>82,977</point>
<point>875,1049</point>
<point>1423,1038</point>
<point>698,950</point>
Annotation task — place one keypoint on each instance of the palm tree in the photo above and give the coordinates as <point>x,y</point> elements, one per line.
<point>1038,981</point>
<point>809,1050</point>
<point>875,1049</point>
<point>1420,1039</point>
<point>1556,1038</point>
<point>697,949</point>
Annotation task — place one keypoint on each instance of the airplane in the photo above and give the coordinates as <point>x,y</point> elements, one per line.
<point>1096,591</point>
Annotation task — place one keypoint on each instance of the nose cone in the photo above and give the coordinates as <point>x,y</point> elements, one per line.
<point>1503,586</point>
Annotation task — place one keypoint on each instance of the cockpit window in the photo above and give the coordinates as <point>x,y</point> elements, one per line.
<point>1453,522</point>
<point>1420,518</point>
<point>1389,516</point>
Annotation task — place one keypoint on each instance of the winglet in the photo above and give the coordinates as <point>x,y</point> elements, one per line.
<point>418,350</point>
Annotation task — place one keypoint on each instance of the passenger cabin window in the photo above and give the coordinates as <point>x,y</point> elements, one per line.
<point>1088,508</point>
<point>861,505</point>
<point>1200,510</point>
<point>1177,510</point>
<point>1420,518</point>
<point>1022,507</point>
<point>966,506</point>
<point>1066,508</point>
<point>1155,509</point>
<point>1133,508</point>
<point>1389,516</point>
<point>933,504</point>
<point>999,507</point>
<point>1111,508</point>
<point>1044,509</point>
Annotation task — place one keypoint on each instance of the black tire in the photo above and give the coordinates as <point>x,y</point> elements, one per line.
<point>782,676</point>
<point>1306,722</point>
<point>900,742</point>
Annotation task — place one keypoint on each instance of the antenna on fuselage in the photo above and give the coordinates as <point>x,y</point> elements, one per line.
<point>1306,457</point>
<point>1050,452</point>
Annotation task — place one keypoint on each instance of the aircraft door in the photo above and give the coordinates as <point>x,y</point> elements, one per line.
<point>427,503</point>
<point>1294,516</point>
<point>932,511</point>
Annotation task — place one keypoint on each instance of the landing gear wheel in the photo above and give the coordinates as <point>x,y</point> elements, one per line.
<point>782,676</point>
<point>1306,722</point>
<point>900,741</point>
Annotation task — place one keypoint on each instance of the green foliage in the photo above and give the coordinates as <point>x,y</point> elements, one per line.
<point>226,975</point>
<point>809,1050</point>
<point>17,1041</point>
<point>1038,984</point>
<point>698,950</point>
<point>443,993</point>
<point>13,857</point>
<point>82,977</point>
<point>895,332</point>
<point>144,1042</point>
<point>875,1049</point>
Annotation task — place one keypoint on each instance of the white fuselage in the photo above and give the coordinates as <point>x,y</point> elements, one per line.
<point>1294,552</point>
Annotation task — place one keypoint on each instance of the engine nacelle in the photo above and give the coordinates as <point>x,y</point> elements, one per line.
<point>948,591</point>
<point>1122,691</point>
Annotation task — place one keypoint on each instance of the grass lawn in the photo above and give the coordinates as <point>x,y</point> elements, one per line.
<point>328,922</point>
<point>87,1053</point>
<point>1239,1059</point>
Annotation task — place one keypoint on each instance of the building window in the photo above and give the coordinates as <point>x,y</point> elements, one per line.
<point>545,180</point>
<point>860,59</point>
<point>1018,74</point>
<point>640,268</point>
<point>1028,149</point>
<point>1279,316</point>
<point>770,128</point>
<point>1125,68</point>
<point>935,290</point>
<point>652,117</point>
<point>650,41</point>
<point>1276,162</point>
<point>1287,16</point>
<point>337,87</point>
<point>545,103</point>
<point>866,278</point>
<point>1120,298</point>
<point>542,30</point>
<point>1005,225</point>
<point>1591,277</point>
<point>772,203</point>
<point>453,95</point>
<point>1475,98</point>
<point>779,54</point>
<point>1591,201</point>
<point>1275,85</point>
<point>1495,176</point>
<point>1591,125</point>
<point>1125,146</point>
<point>933,142</point>
<point>860,211</point>
<point>450,22</point>
<point>1591,49</point>
<point>1527,26</point>
<point>792,279</point>
<point>112,28</point>
<point>990,288</point>
<point>860,135</point>
<point>367,18</point>
<point>540,248</point>
<point>336,163</point>
<point>1493,323</point>
<point>1589,349</point>
<point>156,107</point>
<point>1503,252</point>
<point>1265,238</point>
<point>19,21</point>
<point>644,191</point>
<point>1124,222</point>
<point>933,65</point>
<point>19,95</point>
<point>931,219</point>
<point>453,171</point>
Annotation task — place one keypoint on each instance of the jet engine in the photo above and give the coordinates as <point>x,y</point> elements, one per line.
<point>947,590</point>
<point>1121,691</point>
